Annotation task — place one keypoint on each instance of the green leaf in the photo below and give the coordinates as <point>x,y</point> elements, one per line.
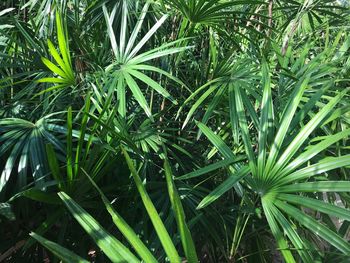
<point>62,253</point>
<point>82,131</point>
<point>137,28</point>
<point>52,80</point>
<point>109,21</point>
<point>158,70</point>
<point>7,10</point>
<point>224,187</point>
<point>216,140</point>
<point>54,68</point>
<point>315,227</point>
<point>147,37</point>
<point>137,94</point>
<point>38,195</point>
<point>185,234</point>
<point>112,247</point>
<point>54,166</point>
<point>233,114</point>
<point>153,54</point>
<point>162,233</point>
<point>10,163</point>
<point>313,151</point>
<point>125,229</point>
<point>244,130</point>
<point>147,80</point>
<point>212,105</point>
<point>211,167</point>
<point>45,226</point>
<point>305,132</point>
<point>66,68</point>
<point>33,42</point>
<point>327,164</point>
<point>123,27</point>
<point>286,120</point>
<point>314,204</point>
<point>121,95</point>
<point>282,243</point>
<point>6,211</point>
<point>326,186</point>
<point>62,40</point>
<point>264,119</point>
<point>292,235</point>
<point>51,89</point>
<point>198,102</point>
<point>69,157</point>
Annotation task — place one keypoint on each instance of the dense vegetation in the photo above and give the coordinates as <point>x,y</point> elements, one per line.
<point>174,130</point>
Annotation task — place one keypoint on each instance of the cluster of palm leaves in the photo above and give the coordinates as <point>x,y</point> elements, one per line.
<point>174,131</point>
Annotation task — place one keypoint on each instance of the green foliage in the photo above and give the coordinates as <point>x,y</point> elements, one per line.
<point>64,70</point>
<point>174,131</point>
<point>25,143</point>
<point>58,250</point>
